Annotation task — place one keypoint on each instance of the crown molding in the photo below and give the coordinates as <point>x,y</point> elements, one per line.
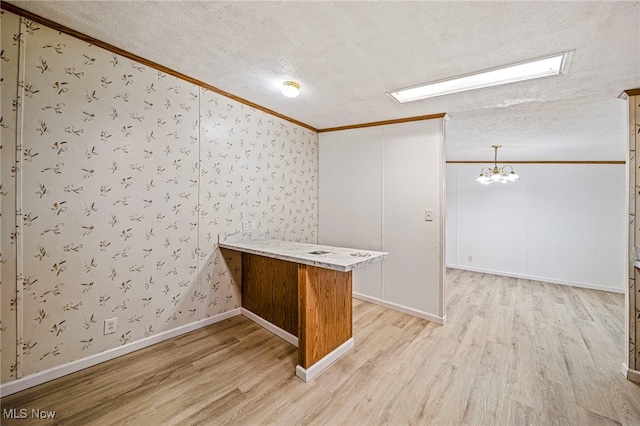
<point>536,162</point>
<point>385,122</point>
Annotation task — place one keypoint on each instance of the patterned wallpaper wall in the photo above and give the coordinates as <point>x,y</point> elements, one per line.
<point>128,178</point>
<point>254,167</point>
<point>10,33</point>
<point>634,234</point>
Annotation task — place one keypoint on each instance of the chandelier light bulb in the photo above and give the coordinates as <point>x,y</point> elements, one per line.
<point>512,177</point>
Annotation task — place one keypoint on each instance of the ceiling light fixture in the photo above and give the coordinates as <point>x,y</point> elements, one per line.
<point>536,68</point>
<point>497,174</point>
<point>290,89</point>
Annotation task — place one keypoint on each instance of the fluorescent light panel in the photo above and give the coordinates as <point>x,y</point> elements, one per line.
<point>536,68</point>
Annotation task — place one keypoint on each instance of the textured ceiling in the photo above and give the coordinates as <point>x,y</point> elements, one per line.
<point>346,55</point>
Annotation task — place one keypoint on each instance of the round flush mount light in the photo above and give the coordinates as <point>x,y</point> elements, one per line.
<point>290,89</point>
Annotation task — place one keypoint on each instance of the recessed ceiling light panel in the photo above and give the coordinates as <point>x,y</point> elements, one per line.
<point>536,68</point>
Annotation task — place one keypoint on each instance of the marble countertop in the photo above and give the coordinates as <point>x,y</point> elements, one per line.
<point>329,257</point>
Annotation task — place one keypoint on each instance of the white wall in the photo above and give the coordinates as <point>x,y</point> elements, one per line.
<point>412,184</point>
<point>375,185</point>
<point>560,223</point>
<point>350,198</point>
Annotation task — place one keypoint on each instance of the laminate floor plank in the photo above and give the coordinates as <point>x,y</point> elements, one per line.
<point>488,393</point>
<point>513,352</point>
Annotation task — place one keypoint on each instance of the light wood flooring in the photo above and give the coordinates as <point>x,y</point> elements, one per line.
<point>513,352</point>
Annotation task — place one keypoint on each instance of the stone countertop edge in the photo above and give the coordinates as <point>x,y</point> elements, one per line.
<point>343,264</point>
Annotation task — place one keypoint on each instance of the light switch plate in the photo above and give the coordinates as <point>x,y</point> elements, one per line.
<point>428,215</point>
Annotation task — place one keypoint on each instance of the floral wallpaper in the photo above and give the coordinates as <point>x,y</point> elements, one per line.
<point>128,178</point>
<point>257,168</point>
<point>10,29</point>
<point>634,234</point>
<point>109,199</point>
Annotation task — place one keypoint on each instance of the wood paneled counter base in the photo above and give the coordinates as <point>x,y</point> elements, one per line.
<point>309,306</point>
<point>310,303</point>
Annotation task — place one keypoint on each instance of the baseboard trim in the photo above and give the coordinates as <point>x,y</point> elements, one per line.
<point>630,374</point>
<point>53,373</point>
<point>540,279</point>
<point>270,327</point>
<point>403,309</point>
<point>317,368</point>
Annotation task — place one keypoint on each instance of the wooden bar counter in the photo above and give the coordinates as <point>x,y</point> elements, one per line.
<point>302,293</point>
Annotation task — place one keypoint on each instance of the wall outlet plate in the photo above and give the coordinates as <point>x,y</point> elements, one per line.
<point>110,325</point>
<point>428,215</point>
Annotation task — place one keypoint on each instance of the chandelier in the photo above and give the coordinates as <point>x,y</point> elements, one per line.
<point>497,174</point>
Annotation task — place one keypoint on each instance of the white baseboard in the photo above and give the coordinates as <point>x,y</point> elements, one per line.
<point>270,327</point>
<point>424,315</point>
<point>632,375</point>
<point>74,366</point>
<point>317,368</point>
<point>541,279</point>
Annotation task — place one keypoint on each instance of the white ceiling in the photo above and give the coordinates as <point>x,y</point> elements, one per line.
<point>346,55</point>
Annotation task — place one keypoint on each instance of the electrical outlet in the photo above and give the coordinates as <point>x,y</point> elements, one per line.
<point>470,258</point>
<point>246,225</point>
<point>110,325</point>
